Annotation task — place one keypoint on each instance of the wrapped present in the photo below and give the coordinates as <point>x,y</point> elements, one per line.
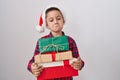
<point>57,67</point>
<point>58,72</point>
<point>53,44</point>
<point>53,56</point>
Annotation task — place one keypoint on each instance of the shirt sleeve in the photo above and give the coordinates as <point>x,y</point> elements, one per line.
<point>32,60</point>
<point>74,49</point>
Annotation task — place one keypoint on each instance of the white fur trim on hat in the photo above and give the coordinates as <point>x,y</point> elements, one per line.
<point>40,29</point>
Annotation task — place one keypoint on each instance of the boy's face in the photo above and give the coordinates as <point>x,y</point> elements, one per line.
<point>54,21</point>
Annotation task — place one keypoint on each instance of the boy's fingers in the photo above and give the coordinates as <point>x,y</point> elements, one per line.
<point>37,69</point>
<point>78,59</point>
<point>77,67</point>
<point>33,64</point>
<point>36,74</point>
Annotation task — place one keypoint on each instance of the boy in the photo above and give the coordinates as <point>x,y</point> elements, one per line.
<point>54,21</point>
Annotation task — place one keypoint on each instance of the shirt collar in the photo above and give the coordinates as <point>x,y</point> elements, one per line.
<point>51,35</point>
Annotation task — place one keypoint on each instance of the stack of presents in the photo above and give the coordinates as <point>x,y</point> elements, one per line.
<point>56,57</point>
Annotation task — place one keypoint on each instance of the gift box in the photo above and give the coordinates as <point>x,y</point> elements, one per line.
<point>53,44</point>
<point>53,56</point>
<point>57,67</point>
<point>57,72</point>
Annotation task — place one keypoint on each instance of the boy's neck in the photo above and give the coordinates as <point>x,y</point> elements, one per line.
<point>55,34</point>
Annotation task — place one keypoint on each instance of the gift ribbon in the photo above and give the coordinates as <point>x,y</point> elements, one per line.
<point>56,47</point>
<point>53,56</point>
<point>66,62</point>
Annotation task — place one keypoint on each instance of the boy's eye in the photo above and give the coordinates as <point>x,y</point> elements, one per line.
<point>58,18</point>
<point>51,20</point>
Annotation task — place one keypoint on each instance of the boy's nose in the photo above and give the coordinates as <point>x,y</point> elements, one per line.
<point>56,21</point>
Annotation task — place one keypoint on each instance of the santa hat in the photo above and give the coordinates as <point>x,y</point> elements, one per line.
<point>40,27</point>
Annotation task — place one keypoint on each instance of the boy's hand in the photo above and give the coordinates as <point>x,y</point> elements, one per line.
<point>77,64</point>
<point>36,69</point>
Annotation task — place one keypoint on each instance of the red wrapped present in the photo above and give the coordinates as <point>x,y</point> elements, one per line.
<point>57,67</point>
<point>57,72</point>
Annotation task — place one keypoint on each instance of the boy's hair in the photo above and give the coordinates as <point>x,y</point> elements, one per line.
<point>54,8</point>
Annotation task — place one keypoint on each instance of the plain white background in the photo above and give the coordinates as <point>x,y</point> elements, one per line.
<point>94,24</point>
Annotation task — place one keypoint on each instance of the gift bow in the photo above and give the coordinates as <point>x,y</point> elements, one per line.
<point>56,47</point>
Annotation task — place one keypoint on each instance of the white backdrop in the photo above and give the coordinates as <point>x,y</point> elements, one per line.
<point>94,24</point>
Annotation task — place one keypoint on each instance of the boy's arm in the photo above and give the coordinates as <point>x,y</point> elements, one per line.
<point>75,52</point>
<point>32,60</point>
<point>29,64</point>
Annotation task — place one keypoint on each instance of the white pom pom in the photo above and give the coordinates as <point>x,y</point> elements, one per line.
<point>40,28</point>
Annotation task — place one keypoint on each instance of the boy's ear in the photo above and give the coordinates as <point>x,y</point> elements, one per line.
<point>63,21</point>
<point>47,26</point>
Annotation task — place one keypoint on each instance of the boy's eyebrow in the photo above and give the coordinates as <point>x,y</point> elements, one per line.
<point>59,16</point>
<point>56,16</point>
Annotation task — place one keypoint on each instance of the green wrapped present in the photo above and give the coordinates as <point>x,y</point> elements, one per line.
<point>53,44</point>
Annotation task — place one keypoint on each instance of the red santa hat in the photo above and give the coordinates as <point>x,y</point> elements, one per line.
<point>40,27</point>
